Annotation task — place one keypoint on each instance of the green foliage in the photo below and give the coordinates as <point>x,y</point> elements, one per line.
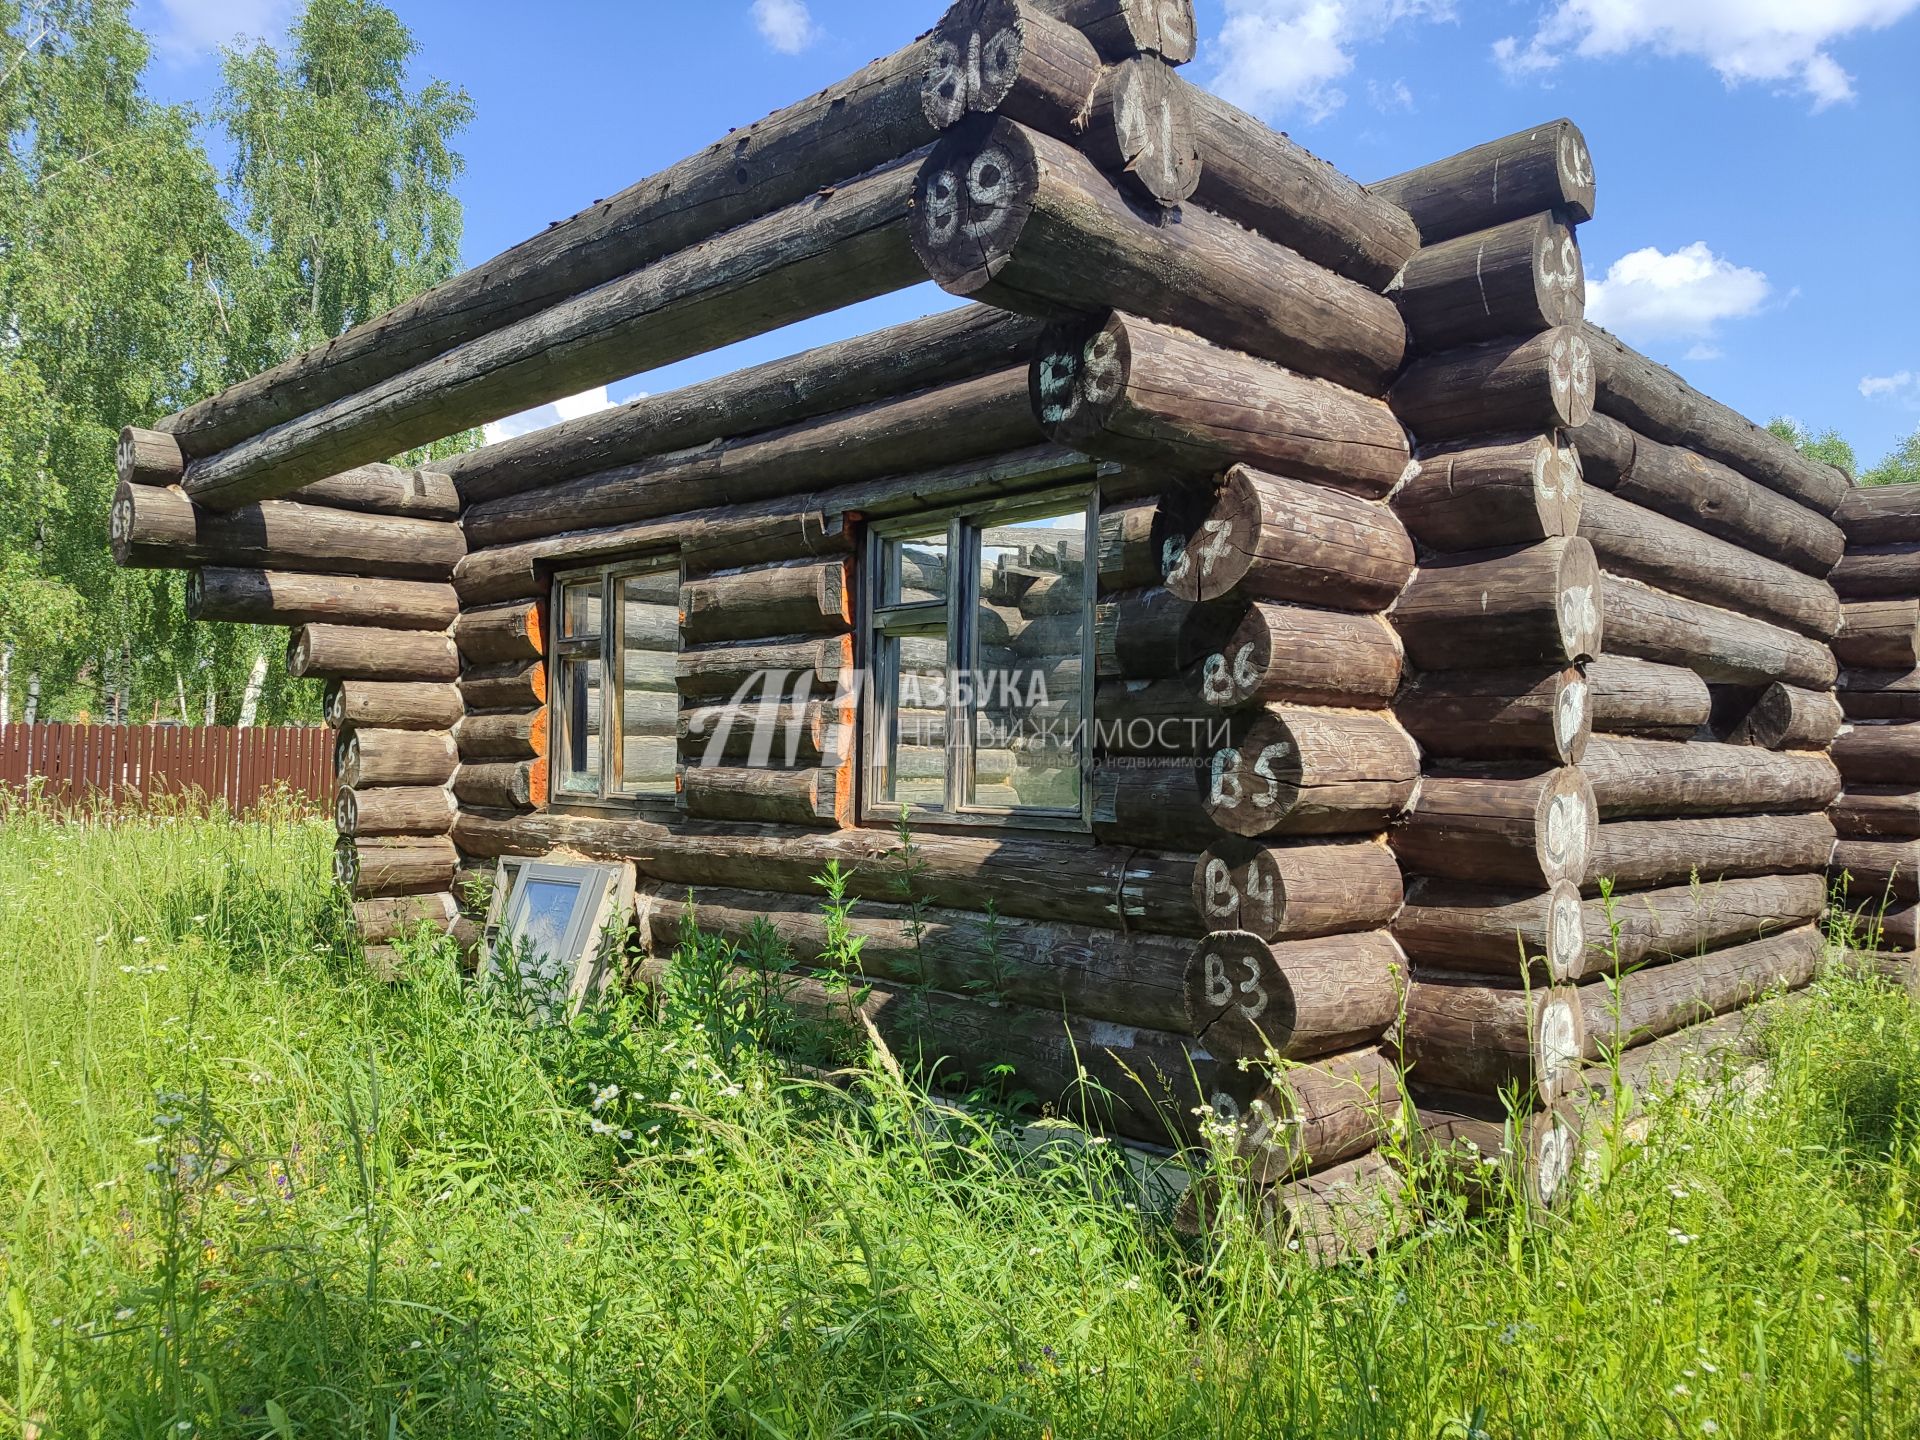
<point>132,283</point>
<point>1900,467</point>
<point>1828,445</point>
<point>249,1191</point>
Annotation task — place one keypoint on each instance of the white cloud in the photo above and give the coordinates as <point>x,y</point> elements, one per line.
<point>572,407</point>
<point>193,28</point>
<point>1902,385</point>
<point>1388,98</point>
<point>786,25</point>
<point>1779,42</point>
<point>1648,295</point>
<point>1282,56</point>
<point>1704,351</point>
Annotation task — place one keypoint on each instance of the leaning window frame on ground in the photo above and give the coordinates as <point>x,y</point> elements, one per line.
<point>561,981</point>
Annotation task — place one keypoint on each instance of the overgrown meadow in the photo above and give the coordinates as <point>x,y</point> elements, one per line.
<point>250,1192</point>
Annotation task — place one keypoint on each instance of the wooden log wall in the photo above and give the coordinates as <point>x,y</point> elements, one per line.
<point>1877,748</point>
<point>1419,607</point>
<point>1618,667</point>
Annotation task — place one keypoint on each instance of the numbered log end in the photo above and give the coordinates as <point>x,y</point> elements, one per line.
<point>1482,494</point>
<point>1466,928</point>
<point>1500,714</point>
<point>148,457</point>
<point>1293,891</point>
<point>973,61</point>
<point>1120,29</point>
<point>1515,279</point>
<point>1252,999</point>
<point>1529,831</point>
<point>971,202</point>
<point>1078,377</point>
<point>1141,128</point>
<point>1304,770</point>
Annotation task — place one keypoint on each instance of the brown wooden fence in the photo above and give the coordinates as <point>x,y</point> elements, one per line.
<point>136,765</point>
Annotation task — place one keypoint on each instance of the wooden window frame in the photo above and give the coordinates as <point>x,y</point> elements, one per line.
<point>957,613</point>
<point>609,648</point>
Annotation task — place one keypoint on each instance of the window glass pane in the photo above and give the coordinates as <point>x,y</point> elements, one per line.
<point>649,637</point>
<point>916,668</point>
<point>1030,638</point>
<point>916,568</point>
<point>580,609</point>
<point>578,683</point>
<point>548,913</point>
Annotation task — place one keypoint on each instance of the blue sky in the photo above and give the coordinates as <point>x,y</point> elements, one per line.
<point>1758,220</point>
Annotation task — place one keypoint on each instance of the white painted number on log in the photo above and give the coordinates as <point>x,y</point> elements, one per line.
<point>974,75</point>
<point>1264,768</point>
<point>1059,392</point>
<point>1579,620</point>
<point>1223,896</point>
<point>1216,540</point>
<point>1222,991</point>
<point>1263,890</point>
<point>1227,790</point>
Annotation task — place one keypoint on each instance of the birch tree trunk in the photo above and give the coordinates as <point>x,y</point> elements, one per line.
<point>6,683</point>
<point>250,697</point>
<point>33,698</point>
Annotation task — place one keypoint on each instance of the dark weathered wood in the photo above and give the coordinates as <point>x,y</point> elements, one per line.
<point>1159,804</point>
<point>1642,854</point>
<point>155,528</point>
<point>1874,572</point>
<point>1719,645</point>
<point>1499,714</point>
<point>829,250</point>
<point>1462,1034</point>
<point>818,796</point>
<point>1535,934</point>
<point>502,784</point>
<point>1255,176</point>
<point>1880,634</point>
<point>1649,778</point>
<point>1529,830</point>
<point>1878,872</point>
<point>1880,694</point>
<point>1703,493</point>
<point>513,686</point>
<point>1021,220</point>
<point>368,757</point>
<point>1878,812</point>
<point>1129,550</point>
<point>288,597</point>
<point>1130,389</point>
<point>1480,1146</point>
<point>1645,1004</point>
<point>1341,1213</point>
<point>717,672</point>
<point>148,457</point>
<point>500,634</point>
<point>1654,926</point>
<point>1119,28</point>
<point>980,416</point>
<point>1785,717</point>
<point>1514,279</point>
<point>1163,717</point>
<point>845,130</point>
<point>1633,541</point>
<point>1128,1080</point>
<point>811,733</point>
<point>1879,754</point>
<point>1140,127</point>
<point>1510,609</point>
<point>386,490</point>
<point>1657,403</point>
<point>370,868</point>
<point>1317,1114</point>
<point>1055,879</point>
<point>398,915</point>
<point>1302,771</point>
<point>393,810</point>
<point>1266,537</point>
<point>1485,494</point>
<point>1294,891</point>
<point>1547,167</point>
<point>361,652</point>
<point>1543,381</point>
<point>511,735</point>
<point>1010,58</point>
<point>1074,969</point>
<point>1150,632</point>
<point>802,599</point>
<point>1638,697</point>
<point>392,706</point>
<point>1875,924</point>
<point>1880,514</point>
<point>1293,655</point>
<point>1247,997</point>
<point>920,355</point>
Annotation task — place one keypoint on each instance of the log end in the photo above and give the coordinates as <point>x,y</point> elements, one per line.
<point>148,457</point>
<point>1566,826</point>
<point>1238,999</point>
<point>1559,278</point>
<point>1574,161</point>
<point>1143,129</point>
<point>1570,377</point>
<point>973,61</point>
<point>1581,615</point>
<point>1078,376</point>
<point>971,201</point>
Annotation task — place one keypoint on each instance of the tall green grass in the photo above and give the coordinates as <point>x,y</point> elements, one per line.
<point>248,1191</point>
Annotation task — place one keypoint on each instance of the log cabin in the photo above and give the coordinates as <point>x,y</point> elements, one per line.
<point>1318,676</point>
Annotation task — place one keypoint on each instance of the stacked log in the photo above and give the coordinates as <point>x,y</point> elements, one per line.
<point>1877,749</point>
